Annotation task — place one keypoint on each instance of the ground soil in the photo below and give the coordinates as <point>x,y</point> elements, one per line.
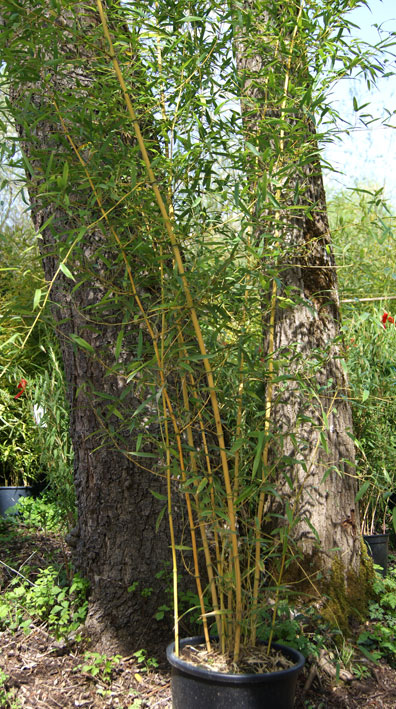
<point>46,673</point>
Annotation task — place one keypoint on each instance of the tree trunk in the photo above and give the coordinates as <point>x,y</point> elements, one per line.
<point>63,92</point>
<point>312,451</point>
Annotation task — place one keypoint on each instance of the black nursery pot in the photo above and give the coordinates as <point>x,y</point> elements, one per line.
<point>9,496</point>
<point>198,688</point>
<point>377,547</point>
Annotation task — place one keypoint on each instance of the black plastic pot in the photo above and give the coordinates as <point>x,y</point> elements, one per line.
<point>9,496</point>
<point>198,688</point>
<point>377,547</point>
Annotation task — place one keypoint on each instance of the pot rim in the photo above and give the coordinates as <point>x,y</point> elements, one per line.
<point>376,536</point>
<point>16,487</point>
<point>182,665</point>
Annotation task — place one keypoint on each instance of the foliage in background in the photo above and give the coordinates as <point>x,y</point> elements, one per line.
<point>35,444</point>
<point>371,361</point>
<point>20,275</point>
<point>40,513</point>
<point>30,451</point>
<point>56,452</point>
<point>43,588</point>
<point>363,231</point>
<point>19,440</point>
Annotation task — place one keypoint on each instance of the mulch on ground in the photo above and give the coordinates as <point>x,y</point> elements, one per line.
<point>45,673</point>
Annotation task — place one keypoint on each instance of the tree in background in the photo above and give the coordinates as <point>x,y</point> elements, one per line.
<point>81,166</point>
<point>306,401</point>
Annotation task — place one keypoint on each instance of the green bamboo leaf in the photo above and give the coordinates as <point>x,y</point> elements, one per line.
<point>137,366</point>
<point>201,485</point>
<point>159,518</point>
<point>236,445</point>
<point>141,454</point>
<point>158,495</point>
<point>365,395</point>
<point>119,340</point>
<point>273,200</point>
<point>27,164</point>
<point>182,547</point>
<point>362,490</point>
<point>81,342</point>
<point>312,528</point>
<point>263,186</point>
<point>65,173</point>
<point>36,298</point>
<point>289,514</point>
<point>394,518</point>
<point>372,656</point>
<point>66,271</point>
<point>115,411</point>
<point>252,149</point>
<point>324,442</point>
<point>259,449</point>
<point>192,18</point>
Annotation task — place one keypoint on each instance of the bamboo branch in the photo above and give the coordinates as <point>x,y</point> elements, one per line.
<point>368,300</point>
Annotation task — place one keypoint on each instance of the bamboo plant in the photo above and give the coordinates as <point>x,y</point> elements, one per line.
<point>226,481</point>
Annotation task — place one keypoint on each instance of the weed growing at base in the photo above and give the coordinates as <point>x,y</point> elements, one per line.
<point>99,667</point>
<point>62,607</point>
<point>7,696</point>
<point>379,640</point>
<point>40,513</point>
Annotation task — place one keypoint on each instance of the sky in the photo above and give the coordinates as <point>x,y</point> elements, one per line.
<point>367,156</point>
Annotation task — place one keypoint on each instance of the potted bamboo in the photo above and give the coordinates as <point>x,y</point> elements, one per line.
<point>222,464</point>
<point>375,516</point>
<point>19,459</point>
<point>226,487</point>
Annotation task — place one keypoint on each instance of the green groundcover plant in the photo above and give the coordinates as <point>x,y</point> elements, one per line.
<point>49,598</point>
<point>377,640</point>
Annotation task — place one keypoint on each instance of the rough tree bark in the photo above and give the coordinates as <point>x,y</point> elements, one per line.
<point>56,68</point>
<point>310,415</point>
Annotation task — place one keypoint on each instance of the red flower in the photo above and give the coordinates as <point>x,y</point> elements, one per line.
<point>387,318</point>
<point>22,387</point>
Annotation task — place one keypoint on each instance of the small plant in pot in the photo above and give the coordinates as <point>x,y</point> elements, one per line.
<point>378,514</point>
<point>19,450</point>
